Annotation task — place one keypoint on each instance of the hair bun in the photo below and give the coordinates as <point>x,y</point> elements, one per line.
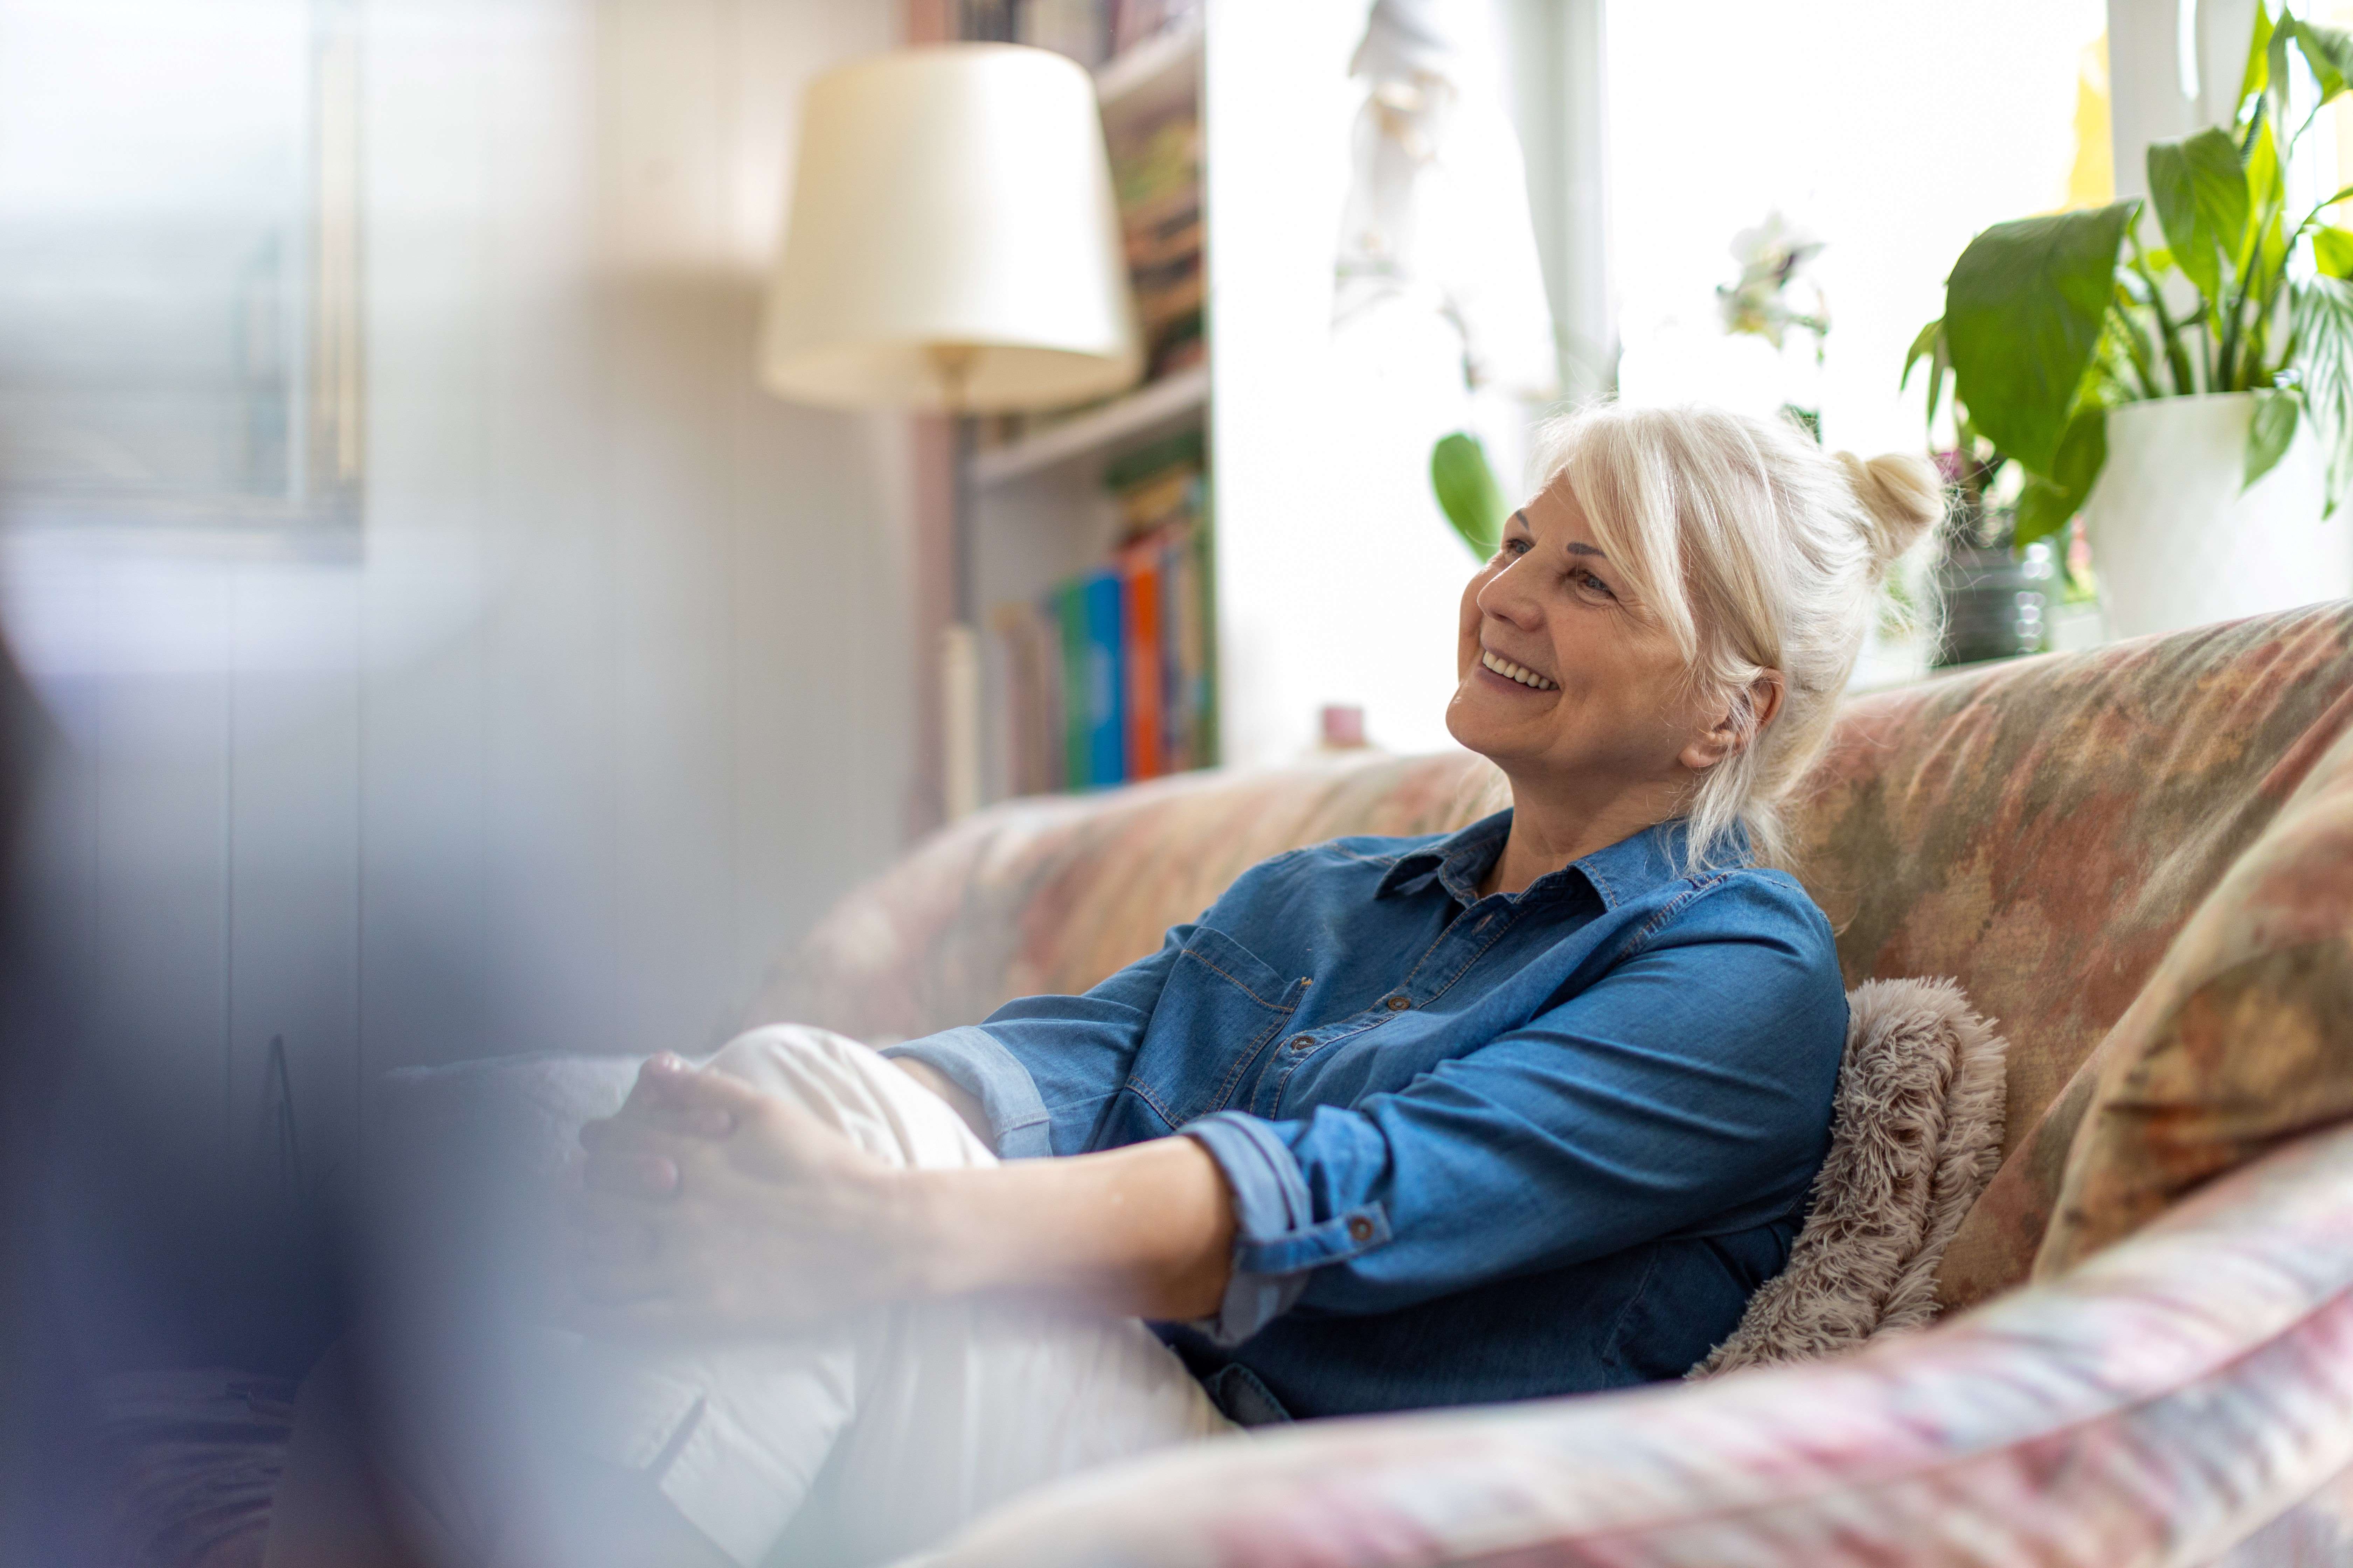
<point>1900,496</point>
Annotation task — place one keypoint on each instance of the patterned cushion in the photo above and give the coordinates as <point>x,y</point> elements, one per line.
<point>2040,831</point>
<point>2242,1039</point>
<point>1914,1132</point>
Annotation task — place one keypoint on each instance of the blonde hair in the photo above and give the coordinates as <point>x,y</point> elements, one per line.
<point>1754,550</point>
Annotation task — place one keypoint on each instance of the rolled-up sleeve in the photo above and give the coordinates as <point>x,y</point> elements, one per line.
<point>1278,1240</point>
<point>1687,1091</point>
<point>1043,1068</point>
<point>975,1062</point>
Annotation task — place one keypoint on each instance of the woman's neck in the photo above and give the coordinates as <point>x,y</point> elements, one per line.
<point>1549,833</point>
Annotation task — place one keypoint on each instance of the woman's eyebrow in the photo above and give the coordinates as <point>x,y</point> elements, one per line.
<point>1579,547</point>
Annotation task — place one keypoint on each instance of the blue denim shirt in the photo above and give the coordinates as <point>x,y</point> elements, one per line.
<point>1480,1148</point>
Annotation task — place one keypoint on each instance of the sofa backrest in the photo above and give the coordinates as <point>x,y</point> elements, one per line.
<point>1054,893</point>
<point>2037,830</point>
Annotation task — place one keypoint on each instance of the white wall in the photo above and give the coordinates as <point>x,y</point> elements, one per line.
<point>616,701</point>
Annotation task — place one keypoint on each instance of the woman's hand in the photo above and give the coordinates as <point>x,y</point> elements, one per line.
<point>710,1206</point>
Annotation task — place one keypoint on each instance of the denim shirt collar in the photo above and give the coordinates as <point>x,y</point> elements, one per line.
<point>1628,869</point>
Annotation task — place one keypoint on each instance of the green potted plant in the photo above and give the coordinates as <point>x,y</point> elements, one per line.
<point>1992,602</point>
<point>2189,390</point>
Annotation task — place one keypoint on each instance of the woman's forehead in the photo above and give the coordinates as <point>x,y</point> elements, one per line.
<point>1555,516</point>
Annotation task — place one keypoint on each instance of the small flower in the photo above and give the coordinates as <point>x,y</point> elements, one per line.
<point>1772,256</point>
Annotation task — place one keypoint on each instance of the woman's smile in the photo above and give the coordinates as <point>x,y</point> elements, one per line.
<point>1519,675</point>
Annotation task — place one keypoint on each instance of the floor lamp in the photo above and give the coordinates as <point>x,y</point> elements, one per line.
<point>953,247</point>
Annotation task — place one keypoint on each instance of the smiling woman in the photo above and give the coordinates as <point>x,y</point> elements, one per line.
<point>1682,578</point>
<point>1530,1108</point>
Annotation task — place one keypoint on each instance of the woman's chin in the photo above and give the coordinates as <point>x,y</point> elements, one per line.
<point>1477,728</point>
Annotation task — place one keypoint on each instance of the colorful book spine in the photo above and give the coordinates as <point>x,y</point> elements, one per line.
<point>1186,654</point>
<point>1108,676</point>
<point>1106,679</point>
<point>1078,728</point>
<point>1140,608</point>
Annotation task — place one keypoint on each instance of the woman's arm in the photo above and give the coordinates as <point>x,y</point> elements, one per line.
<point>1145,1231</point>
<point>711,1205</point>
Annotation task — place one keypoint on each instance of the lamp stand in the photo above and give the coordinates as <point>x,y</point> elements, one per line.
<point>960,639</point>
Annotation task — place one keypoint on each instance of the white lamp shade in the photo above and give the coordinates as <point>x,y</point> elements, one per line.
<point>956,196</point>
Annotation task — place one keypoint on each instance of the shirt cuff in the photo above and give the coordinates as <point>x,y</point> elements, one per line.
<point>971,1058</point>
<point>1277,1238</point>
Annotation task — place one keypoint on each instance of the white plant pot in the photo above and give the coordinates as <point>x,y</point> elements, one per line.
<point>2175,542</point>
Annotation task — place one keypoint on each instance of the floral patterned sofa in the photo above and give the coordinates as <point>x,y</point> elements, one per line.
<point>2139,860</point>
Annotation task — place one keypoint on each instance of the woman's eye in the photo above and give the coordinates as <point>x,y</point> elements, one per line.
<point>1591,584</point>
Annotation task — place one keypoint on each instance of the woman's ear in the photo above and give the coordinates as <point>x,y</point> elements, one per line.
<point>1742,722</point>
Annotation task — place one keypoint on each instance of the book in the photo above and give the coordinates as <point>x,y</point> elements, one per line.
<point>1078,728</point>
<point>1157,177</point>
<point>1108,676</point>
<point>1104,675</point>
<point>1140,609</point>
<point>1031,659</point>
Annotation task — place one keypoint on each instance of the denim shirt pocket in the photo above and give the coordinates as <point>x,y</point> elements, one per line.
<point>1222,1009</point>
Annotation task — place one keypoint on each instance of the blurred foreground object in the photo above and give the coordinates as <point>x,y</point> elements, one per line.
<point>953,246</point>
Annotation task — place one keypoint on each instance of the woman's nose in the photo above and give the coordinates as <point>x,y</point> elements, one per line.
<point>1505,596</point>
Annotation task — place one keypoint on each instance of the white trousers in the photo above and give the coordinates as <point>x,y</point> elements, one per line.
<point>879,1434</point>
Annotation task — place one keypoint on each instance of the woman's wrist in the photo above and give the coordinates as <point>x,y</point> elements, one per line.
<point>1146,1230</point>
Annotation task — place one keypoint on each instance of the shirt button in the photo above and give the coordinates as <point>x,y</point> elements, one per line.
<point>1399,1002</point>
<point>1302,1043</point>
<point>1359,1228</point>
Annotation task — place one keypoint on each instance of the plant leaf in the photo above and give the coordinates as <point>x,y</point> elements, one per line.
<point>1922,347</point>
<point>1467,492</point>
<point>2202,203</point>
<point>2332,251</point>
<point>2251,80</point>
<point>2330,52</point>
<point>2083,451</point>
<point>2273,105</point>
<point>1930,345</point>
<point>2269,432</point>
<point>2043,509</point>
<point>2263,187</point>
<point>2045,505</point>
<point>2321,311</point>
<point>2023,314</point>
<point>1940,365</point>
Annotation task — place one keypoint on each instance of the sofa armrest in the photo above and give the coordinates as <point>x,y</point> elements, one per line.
<point>2157,1404</point>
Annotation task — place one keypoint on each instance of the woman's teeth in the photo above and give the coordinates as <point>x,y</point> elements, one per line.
<point>1519,672</point>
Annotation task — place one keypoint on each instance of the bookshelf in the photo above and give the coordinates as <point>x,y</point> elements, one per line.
<point>1155,409</point>
<point>1083,520</point>
<point>1161,72</point>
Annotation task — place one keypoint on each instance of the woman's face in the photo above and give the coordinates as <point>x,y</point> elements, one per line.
<point>1563,678</point>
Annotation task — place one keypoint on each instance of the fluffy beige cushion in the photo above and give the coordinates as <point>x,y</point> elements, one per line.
<point>1916,1133</point>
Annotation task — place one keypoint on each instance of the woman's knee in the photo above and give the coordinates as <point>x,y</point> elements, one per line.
<point>783,1058</point>
<point>854,1090</point>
